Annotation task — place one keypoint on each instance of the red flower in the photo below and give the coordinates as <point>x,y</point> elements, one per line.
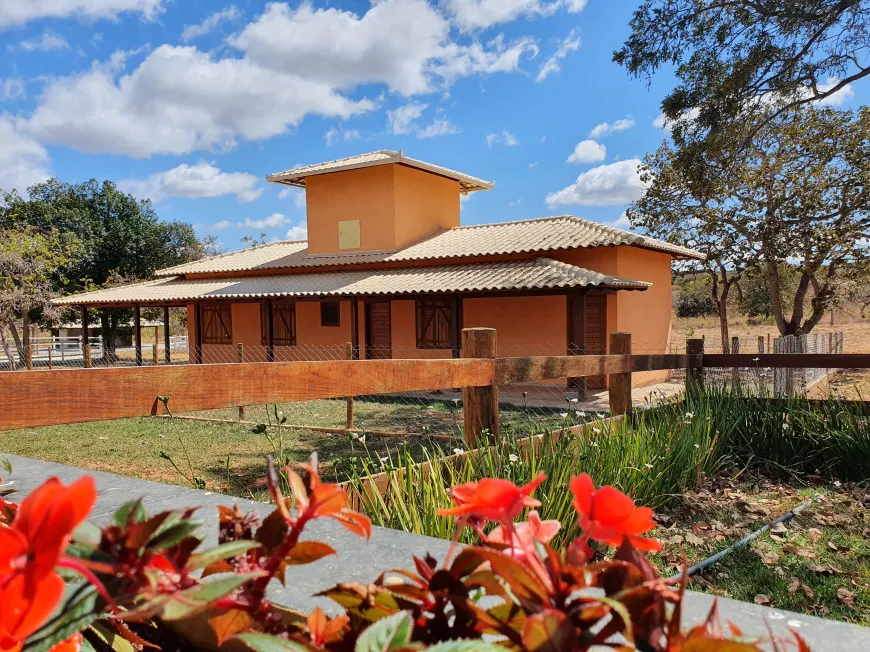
<point>30,588</point>
<point>607,515</point>
<point>526,534</point>
<point>492,499</point>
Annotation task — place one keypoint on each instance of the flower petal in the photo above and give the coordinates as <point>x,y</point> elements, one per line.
<point>583,488</point>
<point>27,604</point>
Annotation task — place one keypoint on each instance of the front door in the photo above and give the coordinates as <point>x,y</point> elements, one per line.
<point>379,343</point>
<point>596,334</point>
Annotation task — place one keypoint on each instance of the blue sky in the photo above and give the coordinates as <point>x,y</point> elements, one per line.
<point>193,102</point>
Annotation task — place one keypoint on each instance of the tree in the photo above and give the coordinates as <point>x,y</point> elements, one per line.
<point>800,199</point>
<point>30,268</point>
<point>122,238</point>
<point>679,211</point>
<point>693,298</point>
<point>739,57</point>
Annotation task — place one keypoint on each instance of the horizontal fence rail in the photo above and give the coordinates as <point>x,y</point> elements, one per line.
<point>60,396</point>
<point>42,398</point>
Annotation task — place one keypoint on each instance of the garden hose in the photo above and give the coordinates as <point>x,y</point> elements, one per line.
<point>697,568</point>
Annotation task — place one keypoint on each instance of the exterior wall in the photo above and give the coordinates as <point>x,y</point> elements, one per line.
<point>395,205</point>
<point>645,314</point>
<point>404,333</point>
<point>425,203</point>
<point>524,325</point>
<point>366,194</point>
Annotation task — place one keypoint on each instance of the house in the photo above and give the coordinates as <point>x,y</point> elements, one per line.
<point>388,268</point>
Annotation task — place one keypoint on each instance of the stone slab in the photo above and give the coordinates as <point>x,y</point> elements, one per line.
<point>361,561</point>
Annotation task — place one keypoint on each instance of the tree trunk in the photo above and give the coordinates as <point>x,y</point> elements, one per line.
<point>6,348</point>
<point>108,343</point>
<point>771,273</point>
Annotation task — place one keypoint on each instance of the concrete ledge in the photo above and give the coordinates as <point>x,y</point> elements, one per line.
<point>358,561</point>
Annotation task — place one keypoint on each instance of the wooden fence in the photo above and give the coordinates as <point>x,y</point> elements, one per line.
<point>42,398</point>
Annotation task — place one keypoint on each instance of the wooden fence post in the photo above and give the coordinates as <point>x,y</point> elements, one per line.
<point>107,357</point>
<point>695,375</point>
<point>480,404</point>
<point>242,411</point>
<point>761,343</point>
<point>349,354</point>
<point>154,358</point>
<point>619,385</point>
<point>28,355</point>
<point>735,372</point>
<point>86,353</point>
<point>50,351</point>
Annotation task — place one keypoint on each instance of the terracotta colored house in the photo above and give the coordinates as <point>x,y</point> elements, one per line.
<point>388,268</point>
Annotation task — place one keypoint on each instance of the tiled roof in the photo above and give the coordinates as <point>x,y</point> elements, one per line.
<point>535,274</point>
<point>296,176</point>
<point>526,236</point>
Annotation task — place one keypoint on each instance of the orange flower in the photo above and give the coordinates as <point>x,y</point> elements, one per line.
<point>493,499</point>
<point>607,515</point>
<point>30,588</point>
<point>534,529</point>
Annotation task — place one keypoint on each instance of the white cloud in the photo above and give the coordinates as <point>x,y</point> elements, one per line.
<point>607,185</point>
<point>298,232</point>
<point>605,128</point>
<point>438,127</point>
<point>588,151</point>
<point>504,138</point>
<point>192,32</point>
<point>45,43</point>
<point>177,101</point>
<point>291,63</point>
<point>19,12</point>
<point>531,165</point>
<point>401,120</point>
<point>840,97</point>
<point>480,14</point>
<point>11,89</point>
<point>571,43</point>
<point>622,222</point>
<point>23,161</point>
<point>274,221</point>
<point>194,181</point>
<point>334,134</point>
<point>223,225</point>
<point>662,121</point>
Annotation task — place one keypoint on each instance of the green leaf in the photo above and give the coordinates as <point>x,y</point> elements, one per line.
<point>269,643</point>
<point>306,552</point>
<point>198,598</point>
<point>225,551</point>
<point>172,535</point>
<point>388,633</point>
<point>259,429</point>
<point>87,533</point>
<point>133,508</point>
<point>79,611</point>
<point>5,464</point>
<point>466,646</point>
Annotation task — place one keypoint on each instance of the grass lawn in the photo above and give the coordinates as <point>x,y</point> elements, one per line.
<point>818,563</point>
<point>230,458</point>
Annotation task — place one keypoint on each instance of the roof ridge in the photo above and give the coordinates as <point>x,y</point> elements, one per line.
<point>392,153</point>
<point>524,220</point>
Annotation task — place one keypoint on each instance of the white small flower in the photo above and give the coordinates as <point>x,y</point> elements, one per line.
<point>596,431</point>
<point>458,451</point>
<point>575,400</point>
<point>384,460</point>
<point>756,359</point>
<point>690,415</point>
<point>362,439</point>
<point>564,415</point>
<point>514,458</point>
<point>697,445</point>
<point>649,466</point>
<point>581,414</point>
<point>837,483</point>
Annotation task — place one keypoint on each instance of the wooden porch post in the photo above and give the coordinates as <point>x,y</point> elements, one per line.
<point>354,328</point>
<point>241,348</point>
<point>137,334</point>
<point>349,353</point>
<point>456,325</point>
<point>619,385</point>
<point>480,404</point>
<point>167,341</point>
<point>577,336</point>
<point>197,333</point>
<point>270,333</point>
<point>86,338</point>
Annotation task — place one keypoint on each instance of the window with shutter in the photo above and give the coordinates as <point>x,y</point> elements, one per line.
<point>434,324</point>
<point>283,324</point>
<point>217,324</point>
